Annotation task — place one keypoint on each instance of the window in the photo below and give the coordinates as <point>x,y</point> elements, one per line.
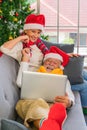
<point>66,22</point>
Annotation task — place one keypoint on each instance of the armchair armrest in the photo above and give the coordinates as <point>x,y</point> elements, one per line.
<point>75,119</point>
<point>11,125</point>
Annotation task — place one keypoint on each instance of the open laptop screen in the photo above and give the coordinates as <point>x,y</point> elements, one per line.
<point>42,85</point>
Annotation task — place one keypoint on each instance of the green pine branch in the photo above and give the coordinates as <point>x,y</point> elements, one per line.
<point>12,16</point>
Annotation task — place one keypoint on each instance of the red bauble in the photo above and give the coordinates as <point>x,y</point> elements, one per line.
<point>0,1</point>
<point>16,14</point>
<point>1,17</point>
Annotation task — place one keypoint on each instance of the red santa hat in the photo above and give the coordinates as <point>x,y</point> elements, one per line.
<point>55,52</point>
<point>34,21</point>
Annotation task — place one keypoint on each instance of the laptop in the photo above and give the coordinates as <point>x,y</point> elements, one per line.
<point>42,85</point>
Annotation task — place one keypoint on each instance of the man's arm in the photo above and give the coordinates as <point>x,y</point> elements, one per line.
<point>23,65</point>
<point>68,100</point>
<point>65,100</point>
<point>70,93</point>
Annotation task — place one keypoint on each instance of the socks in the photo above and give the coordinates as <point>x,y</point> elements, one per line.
<point>41,121</point>
<point>85,111</point>
<point>56,117</point>
<point>49,124</point>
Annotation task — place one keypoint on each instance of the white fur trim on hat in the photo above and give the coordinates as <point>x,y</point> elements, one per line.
<point>33,26</point>
<point>53,55</point>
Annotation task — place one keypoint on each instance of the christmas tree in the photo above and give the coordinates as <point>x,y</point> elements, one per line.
<point>12,16</point>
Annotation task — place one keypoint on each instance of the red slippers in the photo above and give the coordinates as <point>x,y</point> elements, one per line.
<point>56,117</point>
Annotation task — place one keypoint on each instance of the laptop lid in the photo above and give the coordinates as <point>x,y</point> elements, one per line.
<point>42,85</point>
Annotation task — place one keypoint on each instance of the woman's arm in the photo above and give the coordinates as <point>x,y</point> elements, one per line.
<point>10,44</point>
<point>13,47</point>
<point>72,55</point>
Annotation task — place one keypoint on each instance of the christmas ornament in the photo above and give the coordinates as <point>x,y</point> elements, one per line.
<point>0,1</point>
<point>0,11</point>
<point>16,14</point>
<point>29,7</point>
<point>15,19</point>
<point>10,37</point>
<point>12,12</point>
<point>1,17</point>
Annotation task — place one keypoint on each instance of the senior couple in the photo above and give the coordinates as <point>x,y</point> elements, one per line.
<point>30,51</point>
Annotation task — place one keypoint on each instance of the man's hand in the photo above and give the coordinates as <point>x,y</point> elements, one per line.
<point>26,55</point>
<point>63,99</point>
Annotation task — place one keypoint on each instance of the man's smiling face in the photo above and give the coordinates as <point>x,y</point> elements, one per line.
<point>51,64</point>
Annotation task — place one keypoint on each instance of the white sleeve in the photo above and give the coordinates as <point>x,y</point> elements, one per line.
<point>69,92</point>
<point>23,67</point>
<point>15,52</point>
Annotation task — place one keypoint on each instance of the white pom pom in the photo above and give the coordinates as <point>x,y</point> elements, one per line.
<point>61,67</point>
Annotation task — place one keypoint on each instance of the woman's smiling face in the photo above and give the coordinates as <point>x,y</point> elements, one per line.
<point>33,34</point>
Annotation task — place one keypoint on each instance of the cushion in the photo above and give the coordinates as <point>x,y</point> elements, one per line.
<point>74,70</point>
<point>75,66</point>
<point>7,124</point>
<point>68,48</point>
